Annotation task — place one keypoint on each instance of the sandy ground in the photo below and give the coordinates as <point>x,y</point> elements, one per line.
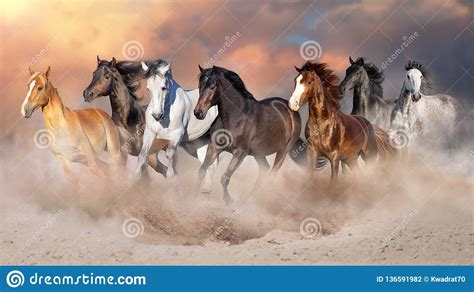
<point>408,212</point>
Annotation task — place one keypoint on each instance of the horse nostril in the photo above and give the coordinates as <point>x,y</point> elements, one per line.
<point>199,114</point>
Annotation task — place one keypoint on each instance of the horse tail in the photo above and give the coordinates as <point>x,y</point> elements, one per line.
<point>384,148</point>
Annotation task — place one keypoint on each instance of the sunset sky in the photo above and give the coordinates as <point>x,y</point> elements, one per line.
<point>267,36</point>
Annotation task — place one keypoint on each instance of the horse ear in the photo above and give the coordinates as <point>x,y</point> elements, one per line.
<point>408,65</point>
<point>144,66</point>
<point>113,63</point>
<point>31,71</point>
<point>297,69</point>
<point>360,62</point>
<point>165,69</point>
<point>200,68</point>
<point>48,71</point>
<point>98,60</point>
<point>350,60</point>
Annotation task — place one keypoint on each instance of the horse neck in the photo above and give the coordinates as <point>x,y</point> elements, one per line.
<point>320,109</point>
<point>361,97</point>
<point>121,100</point>
<point>54,110</point>
<point>232,104</point>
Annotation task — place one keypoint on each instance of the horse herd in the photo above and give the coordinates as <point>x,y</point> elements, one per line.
<point>222,115</point>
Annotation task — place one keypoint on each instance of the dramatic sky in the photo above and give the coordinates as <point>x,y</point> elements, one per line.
<point>267,36</point>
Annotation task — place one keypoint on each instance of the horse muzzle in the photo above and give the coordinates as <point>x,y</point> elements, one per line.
<point>199,114</point>
<point>27,111</point>
<point>416,97</point>
<point>89,95</point>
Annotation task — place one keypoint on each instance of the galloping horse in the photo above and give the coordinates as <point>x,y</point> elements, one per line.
<point>245,126</point>
<point>366,81</point>
<point>113,79</point>
<point>418,113</point>
<point>77,135</point>
<point>169,116</point>
<point>331,133</point>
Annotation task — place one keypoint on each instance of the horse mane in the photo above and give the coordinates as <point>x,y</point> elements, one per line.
<point>427,81</point>
<point>130,72</point>
<point>329,79</point>
<point>376,77</point>
<point>235,80</point>
<point>154,66</point>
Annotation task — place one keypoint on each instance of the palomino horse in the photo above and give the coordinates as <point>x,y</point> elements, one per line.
<point>365,79</point>
<point>245,126</point>
<point>127,112</point>
<point>331,133</point>
<point>418,113</point>
<point>77,135</point>
<point>169,116</point>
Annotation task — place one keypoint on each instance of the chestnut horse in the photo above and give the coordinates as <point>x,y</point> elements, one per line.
<point>331,133</point>
<point>75,135</point>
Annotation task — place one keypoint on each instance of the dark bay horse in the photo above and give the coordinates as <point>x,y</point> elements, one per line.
<point>331,133</point>
<point>368,101</point>
<point>244,126</point>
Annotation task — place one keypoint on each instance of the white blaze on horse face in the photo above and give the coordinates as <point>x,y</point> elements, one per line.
<point>155,85</point>
<point>25,102</point>
<point>296,96</point>
<point>413,81</point>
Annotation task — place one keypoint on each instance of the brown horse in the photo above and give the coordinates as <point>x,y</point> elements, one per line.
<point>75,135</point>
<point>331,133</point>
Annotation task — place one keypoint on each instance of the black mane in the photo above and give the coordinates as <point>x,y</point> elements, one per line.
<point>427,81</point>
<point>233,77</point>
<point>131,72</point>
<point>376,77</point>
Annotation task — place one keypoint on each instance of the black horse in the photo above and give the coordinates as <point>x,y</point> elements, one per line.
<point>245,126</point>
<point>368,101</point>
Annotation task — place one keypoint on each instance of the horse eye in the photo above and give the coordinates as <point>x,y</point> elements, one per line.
<point>107,76</point>
<point>408,76</point>
<point>40,87</point>
<point>163,88</point>
<point>421,76</point>
<point>213,86</point>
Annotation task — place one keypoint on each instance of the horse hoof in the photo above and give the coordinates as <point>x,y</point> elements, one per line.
<point>228,201</point>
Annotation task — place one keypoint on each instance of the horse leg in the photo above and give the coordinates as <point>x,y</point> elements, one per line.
<point>208,180</point>
<point>279,158</point>
<point>263,168</point>
<point>156,164</point>
<point>88,152</point>
<point>148,137</point>
<point>237,158</point>
<point>334,166</point>
<point>351,163</point>
<point>69,174</point>
<point>313,156</point>
<point>172,158</point>
<point>211,155</point>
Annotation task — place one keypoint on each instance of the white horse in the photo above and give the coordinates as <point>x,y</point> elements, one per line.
<point>420,115</point>
<point>170,116</point>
